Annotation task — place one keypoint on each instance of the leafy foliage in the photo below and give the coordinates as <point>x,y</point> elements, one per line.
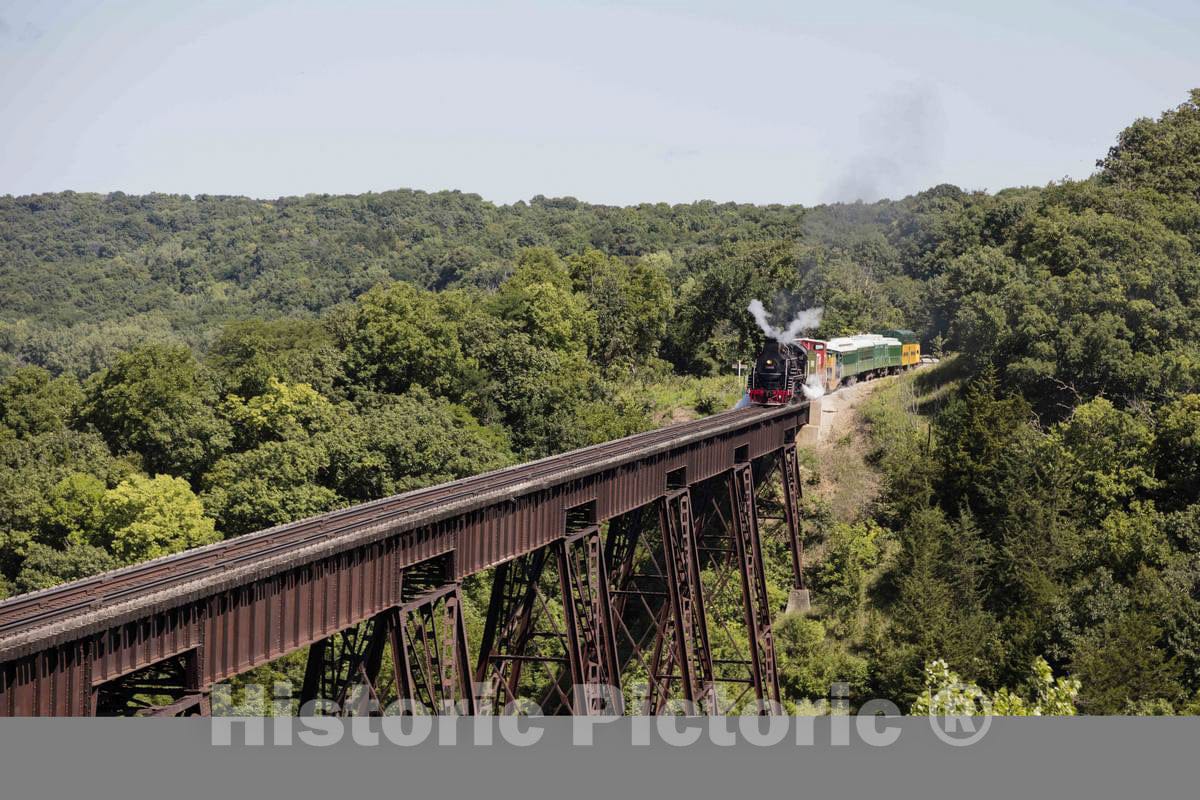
<point>159,402</point>
<point>150,517</point>
<point>947,695</point>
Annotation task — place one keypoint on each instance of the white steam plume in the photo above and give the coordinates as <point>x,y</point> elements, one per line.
<point>813,388</point>
<point>805,320</point>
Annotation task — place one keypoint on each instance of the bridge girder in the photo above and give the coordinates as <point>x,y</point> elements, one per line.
<point>200,617</point>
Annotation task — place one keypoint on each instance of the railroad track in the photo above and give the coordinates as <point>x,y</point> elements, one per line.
<point>24,613</point>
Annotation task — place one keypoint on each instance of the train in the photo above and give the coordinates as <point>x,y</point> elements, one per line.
<point>789,371</point>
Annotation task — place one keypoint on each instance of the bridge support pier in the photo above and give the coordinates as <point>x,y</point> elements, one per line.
<point>682,646</point>
<point>789,468</point>
<point>512,612</point>
<point>659,598</point>
<point>521,630</point>
<point>343,669</point>
<point>427,639</point>
<point>755,604</point>
<point>587,606</point>
<point>430,660</point>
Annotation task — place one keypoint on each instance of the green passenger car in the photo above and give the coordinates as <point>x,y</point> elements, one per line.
<point>866,355</point>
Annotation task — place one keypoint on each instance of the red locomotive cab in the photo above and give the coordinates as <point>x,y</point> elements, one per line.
<point>816,349</point>
<point>820,362</point>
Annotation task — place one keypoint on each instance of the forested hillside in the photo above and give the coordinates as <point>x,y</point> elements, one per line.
<point>180,369</point>
<point>86,276</point>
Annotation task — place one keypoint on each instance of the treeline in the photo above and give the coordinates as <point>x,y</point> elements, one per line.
<point>86,276</point>
<point>179,369</point>
<point>1000,540</point>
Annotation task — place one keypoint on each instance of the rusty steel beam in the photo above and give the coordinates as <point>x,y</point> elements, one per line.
<point>250,600</point>
<point>593,680</point>
<point>314,672</point>
<point>789,467</point>
<point>640,608</point>
<point>755,604</point>
<point>689,651</point>
<point>343,669</point>
<point>428,641</point>
<point>575,655</point>
<point>512,612</point>
<point>585,591</point>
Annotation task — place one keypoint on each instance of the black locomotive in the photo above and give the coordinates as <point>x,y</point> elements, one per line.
<point>779,374</point>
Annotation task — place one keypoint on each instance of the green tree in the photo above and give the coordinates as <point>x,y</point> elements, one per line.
<point>1123,662</point>
<point>1177,450</point>
<point>852,553</point>
<point>809,663</point>
<point>399,339</point>
<point>539,301</point>
<point>45,566</point>
<point>32,402</point>
<point>158,402</point>
<point>1162,154</point>
<point>975,298</point>
<point>151,517</point>
<point>712,327</point>
<point>75,511</point>
<point>946,693</point>
<point>1111,453</point>
<point>940,224</point>
<point>248,355</point>
<point>283,411</point>
<point>632,302</point>
<point>939,604</point>
<point>274,483</point>
<point>32,502</point>
<point>980,434</point>
<point>409,441</point>
<point>550,400</point>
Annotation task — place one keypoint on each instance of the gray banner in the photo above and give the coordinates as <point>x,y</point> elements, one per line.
<point>1080,757</point>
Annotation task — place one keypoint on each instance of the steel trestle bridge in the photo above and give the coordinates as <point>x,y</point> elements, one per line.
<point>627,526</point>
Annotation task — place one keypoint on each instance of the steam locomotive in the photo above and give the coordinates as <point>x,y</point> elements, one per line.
<point>783,370</point>
<point>779,374</point>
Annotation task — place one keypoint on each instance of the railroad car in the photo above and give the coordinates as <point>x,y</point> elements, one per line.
<point>822,362</point>
<point>778,375</point>
<point>865,356</point>
<point>910,347</point>
<point>845,350</point>
<point>782,370</point>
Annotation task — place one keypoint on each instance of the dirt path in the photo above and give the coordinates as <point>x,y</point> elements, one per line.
<point>834,413</point>
<point>837,448</point>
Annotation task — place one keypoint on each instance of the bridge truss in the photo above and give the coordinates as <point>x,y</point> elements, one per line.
<point>602,562</point>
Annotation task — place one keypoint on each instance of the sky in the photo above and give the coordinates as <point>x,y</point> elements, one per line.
<point>609,102</point>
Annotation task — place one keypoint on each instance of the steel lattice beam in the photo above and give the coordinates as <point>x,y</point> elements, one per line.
<point>688,650</point>
<point>428,640</point>
<point>756,605</point>
<point>587,605</point>
<point>789,467</point>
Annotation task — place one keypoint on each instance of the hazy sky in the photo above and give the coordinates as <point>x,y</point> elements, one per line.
<point>611,102</point>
